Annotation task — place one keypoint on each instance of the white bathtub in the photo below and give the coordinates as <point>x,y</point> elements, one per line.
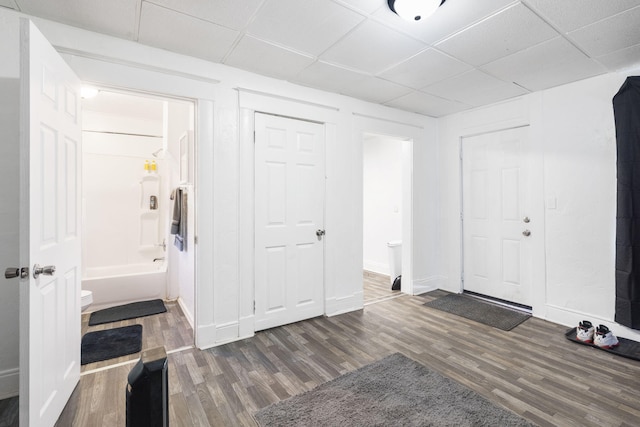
<point>117,285</point>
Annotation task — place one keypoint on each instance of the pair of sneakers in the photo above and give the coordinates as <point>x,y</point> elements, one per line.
<point>600,336</point>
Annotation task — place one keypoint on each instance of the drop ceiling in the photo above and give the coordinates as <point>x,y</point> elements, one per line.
<point>469,53</point>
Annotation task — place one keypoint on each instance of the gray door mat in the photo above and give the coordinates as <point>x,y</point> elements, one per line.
<point>127,311</point>
<point>479,311</point>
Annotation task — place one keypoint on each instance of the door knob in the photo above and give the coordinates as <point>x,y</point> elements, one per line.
<point>47,270</point>
<point>526,233</point>
<point>12,272</point>
<point>526,220</point>
<point>320,233</point>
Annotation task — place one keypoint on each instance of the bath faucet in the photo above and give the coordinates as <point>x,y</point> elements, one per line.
<point>158,259</point>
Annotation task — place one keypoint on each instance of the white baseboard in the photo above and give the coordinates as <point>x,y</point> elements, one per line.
<point>336,306</point>
<point>205,336</point>
<point>9,383</point>
<point>376,267</point>
<point>420,286</point>
<point>570,318</point>
<point>247,327</point>
<point>186,312</point>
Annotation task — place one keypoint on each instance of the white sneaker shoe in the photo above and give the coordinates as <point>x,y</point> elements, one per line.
<point>604,338</point>
<point>585,331</point>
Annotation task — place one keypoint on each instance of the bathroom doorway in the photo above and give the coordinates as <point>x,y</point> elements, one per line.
<point>382,212</point>
<point>137,164</point>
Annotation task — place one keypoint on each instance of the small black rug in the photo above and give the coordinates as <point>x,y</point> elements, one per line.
<point>111,343</point>
<point>127,311</point>
<point>479,311</point>
<point>626,347</point>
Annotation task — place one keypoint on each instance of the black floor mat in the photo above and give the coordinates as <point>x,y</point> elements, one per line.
<point>110,343</point>
<point>627,348</point>
<point>479,311</point>
<point>127,311</point>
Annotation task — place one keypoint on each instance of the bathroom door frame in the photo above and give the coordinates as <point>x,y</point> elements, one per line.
<point>165,97</point>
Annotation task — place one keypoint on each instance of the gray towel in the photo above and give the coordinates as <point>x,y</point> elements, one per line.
<point>179,218</point>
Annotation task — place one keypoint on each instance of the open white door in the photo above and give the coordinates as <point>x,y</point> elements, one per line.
<point>49,230</point>
<point>289,215</point>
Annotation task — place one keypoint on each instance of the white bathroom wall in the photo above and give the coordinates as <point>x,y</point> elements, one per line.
<point>119,228</point>
<point>382,199</point>
<point>9,204</point>
<point>179,123</point>
<point>572,128</point>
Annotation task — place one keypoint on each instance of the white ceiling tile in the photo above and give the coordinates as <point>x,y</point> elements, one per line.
<point>309,26</point>
<point>376,90</point>
<point>213,41</point>
<point>372,47</point>
<point>8,3</point>
<point>328,77</point>
<point>546,65</point>
<point>429,105</point>
<point>233,14</point>
<point>622,59</point>
<point>114,17</point>
<point>502,34</point>
<point>267,59</point>
<point>366,6</point>
<point>611,34</point>
<point>450,18</point>
<point>475,88</point>
<point>569,15</point>
<point>425,68</point>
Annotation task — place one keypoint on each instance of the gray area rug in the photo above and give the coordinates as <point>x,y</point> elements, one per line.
<point>479,311</point>
<point>394,391</point>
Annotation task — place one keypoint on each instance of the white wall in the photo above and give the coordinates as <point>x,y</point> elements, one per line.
<point>226,99</point>
<point>9,204</point>
<point>382,200</point>
<point>180,121</point>
<point>572,127</point>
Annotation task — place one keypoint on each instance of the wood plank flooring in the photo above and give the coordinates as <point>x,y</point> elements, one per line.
<point>170,329</point>
<point>532,370</point>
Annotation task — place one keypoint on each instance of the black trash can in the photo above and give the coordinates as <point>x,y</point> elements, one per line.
<point>148,390</point>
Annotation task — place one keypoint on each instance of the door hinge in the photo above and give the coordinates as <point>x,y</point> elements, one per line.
<point>254,307</point>
<point>254,136</point>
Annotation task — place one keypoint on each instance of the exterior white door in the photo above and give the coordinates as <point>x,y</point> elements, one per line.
<point>49,230</point>
<point>289,220</point>
<point>496,204</point>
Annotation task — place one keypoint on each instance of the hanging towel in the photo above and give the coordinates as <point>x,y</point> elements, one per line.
<point>179,218</point>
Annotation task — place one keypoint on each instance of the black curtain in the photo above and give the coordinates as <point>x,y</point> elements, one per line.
<point>626,108</point>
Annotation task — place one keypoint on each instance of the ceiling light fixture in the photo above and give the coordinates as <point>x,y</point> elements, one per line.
<point>414,10</point>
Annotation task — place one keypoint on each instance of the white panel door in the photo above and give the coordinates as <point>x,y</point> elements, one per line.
<point>50,230</point>
<point>289,212</point>
<point>496,223</point>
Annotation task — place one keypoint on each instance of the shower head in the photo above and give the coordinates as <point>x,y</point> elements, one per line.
<point>158,151</point>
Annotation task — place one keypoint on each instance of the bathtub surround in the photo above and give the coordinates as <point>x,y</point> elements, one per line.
<point>127,311</point>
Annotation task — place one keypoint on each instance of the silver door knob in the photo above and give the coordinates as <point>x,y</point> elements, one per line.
<point>526,233</point>
<point>320,233</point>
<point>526,220</point>
<point>47,270</point>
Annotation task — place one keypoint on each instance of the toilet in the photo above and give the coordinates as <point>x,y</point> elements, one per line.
<point>86,298</point>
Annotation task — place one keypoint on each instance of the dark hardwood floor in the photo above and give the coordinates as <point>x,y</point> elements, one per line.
<point>532,370</point>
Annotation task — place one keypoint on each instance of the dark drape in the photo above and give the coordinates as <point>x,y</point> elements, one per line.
<point>626,107</point>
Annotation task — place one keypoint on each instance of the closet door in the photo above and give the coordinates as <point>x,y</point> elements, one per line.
<point>289,220</point>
